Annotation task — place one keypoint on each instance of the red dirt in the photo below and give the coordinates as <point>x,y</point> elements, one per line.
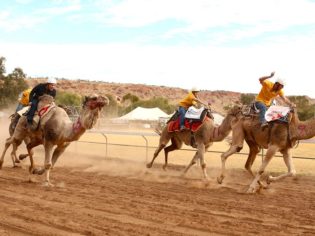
<point>124,198</point>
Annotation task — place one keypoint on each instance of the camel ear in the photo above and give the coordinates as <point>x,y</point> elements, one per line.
<point>86,98</point>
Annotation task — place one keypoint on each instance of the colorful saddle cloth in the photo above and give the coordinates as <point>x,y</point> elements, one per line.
<point>277,113</point>
<point>194,118</point>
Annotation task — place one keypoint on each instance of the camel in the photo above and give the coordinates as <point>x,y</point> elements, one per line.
<point>55,129</point>
<point>278,136</point>
<point>22,133</point>
<point>15,117</point>
<point>204,138</point>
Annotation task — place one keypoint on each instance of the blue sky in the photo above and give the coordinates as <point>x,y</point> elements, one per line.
<point>212,44</point>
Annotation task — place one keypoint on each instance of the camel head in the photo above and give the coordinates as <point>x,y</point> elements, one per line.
<point>235,111</point>
<point>92,106</point>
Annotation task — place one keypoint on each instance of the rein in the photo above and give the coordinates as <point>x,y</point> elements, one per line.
<point>76,127</point>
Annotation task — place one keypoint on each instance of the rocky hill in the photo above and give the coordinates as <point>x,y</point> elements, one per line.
<point>218,99</point>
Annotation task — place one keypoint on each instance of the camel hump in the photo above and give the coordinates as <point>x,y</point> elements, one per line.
<point>46,98</point>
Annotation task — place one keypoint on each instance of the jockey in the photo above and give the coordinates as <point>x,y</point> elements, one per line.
<point>190,100</point>
<point>267,93</point>
<point>37,91</point>
<point>23,99</point>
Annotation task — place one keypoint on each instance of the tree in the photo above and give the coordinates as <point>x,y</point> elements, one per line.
<point>11,85</point>
<point>305,110</point>
<point>2,67</point>
<point>68,99</point>
<point>247,98</point>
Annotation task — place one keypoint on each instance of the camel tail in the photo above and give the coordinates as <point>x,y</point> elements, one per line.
<point>159,132</point>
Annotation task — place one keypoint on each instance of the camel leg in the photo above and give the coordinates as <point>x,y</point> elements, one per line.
<point>201,155</point>
<point>253,151</point>
<point>15,146</point>
<point>27,140</point>
<point>156,153</point>
<point>192,162</point>
<point>48,163</point>
<point>287,157</point>
<point>236,146</point>
<point>30,153</point>
<point>224,156</point>
<point>8,142</point>
<point>57,152</point>
<point>272,149</point>
<point>174,146</point>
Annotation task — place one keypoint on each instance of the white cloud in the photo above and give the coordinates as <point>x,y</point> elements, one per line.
<point>206,67</point>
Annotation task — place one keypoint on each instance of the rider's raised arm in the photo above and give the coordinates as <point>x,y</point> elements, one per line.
<point>262,79</point>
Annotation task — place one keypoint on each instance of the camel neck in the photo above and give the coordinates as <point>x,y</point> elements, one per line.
<point>305,129</point>
<point>221,131</point>
<point>77,130</point>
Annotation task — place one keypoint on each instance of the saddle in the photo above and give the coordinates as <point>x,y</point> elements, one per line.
<point>250,110</point>
<point>194,118</point>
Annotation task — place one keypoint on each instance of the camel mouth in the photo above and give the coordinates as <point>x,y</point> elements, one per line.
<point>94,102</point>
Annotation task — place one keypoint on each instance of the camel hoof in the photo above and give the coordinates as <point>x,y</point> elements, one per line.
<point>220,179</point>
<point>38,171</point>
<point>164,167</point>
<point>48,184</point>
<point>30,180</point>
<point>149,165</point>
<point>269,179</point>
<point>22,156</point>
<point>250,190</point>
<point>263,185</point>
<point>253,189</point>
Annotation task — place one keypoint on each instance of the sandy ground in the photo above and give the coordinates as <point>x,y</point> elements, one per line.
<point>95,194</point>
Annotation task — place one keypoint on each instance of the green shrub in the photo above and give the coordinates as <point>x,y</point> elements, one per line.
<point>68,99</point>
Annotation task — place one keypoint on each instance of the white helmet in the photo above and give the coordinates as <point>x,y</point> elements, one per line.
<point>280,81</point>
<point>51,80</point>
<point>195,89</point>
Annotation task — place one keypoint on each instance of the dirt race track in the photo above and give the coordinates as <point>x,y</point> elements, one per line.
<point>94,195</point>
<point>151,202</point>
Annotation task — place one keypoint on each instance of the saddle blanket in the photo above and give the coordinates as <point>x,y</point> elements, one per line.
<point>276,113</point>
<point>194,113</point>
<point>23,110</point>
<point>173,126</point>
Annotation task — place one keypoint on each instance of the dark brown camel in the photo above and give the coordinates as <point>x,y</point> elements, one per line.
<point>204,138</point>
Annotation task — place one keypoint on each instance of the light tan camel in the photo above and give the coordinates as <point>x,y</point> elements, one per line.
<point>23,133</point>
<point>43,101</point>
<point>204,138</point>
<point>276,137</point>
<point>56,129</point>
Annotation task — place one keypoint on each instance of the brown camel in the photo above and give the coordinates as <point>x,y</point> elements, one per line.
<point>204,138</point>
<point>278,136</point>
<point>56,129</point>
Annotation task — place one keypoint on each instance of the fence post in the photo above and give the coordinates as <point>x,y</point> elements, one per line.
<point>106,155</point>
<point>146,148</point>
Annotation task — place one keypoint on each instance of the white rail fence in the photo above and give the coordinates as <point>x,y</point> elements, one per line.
<point>146,145</point>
